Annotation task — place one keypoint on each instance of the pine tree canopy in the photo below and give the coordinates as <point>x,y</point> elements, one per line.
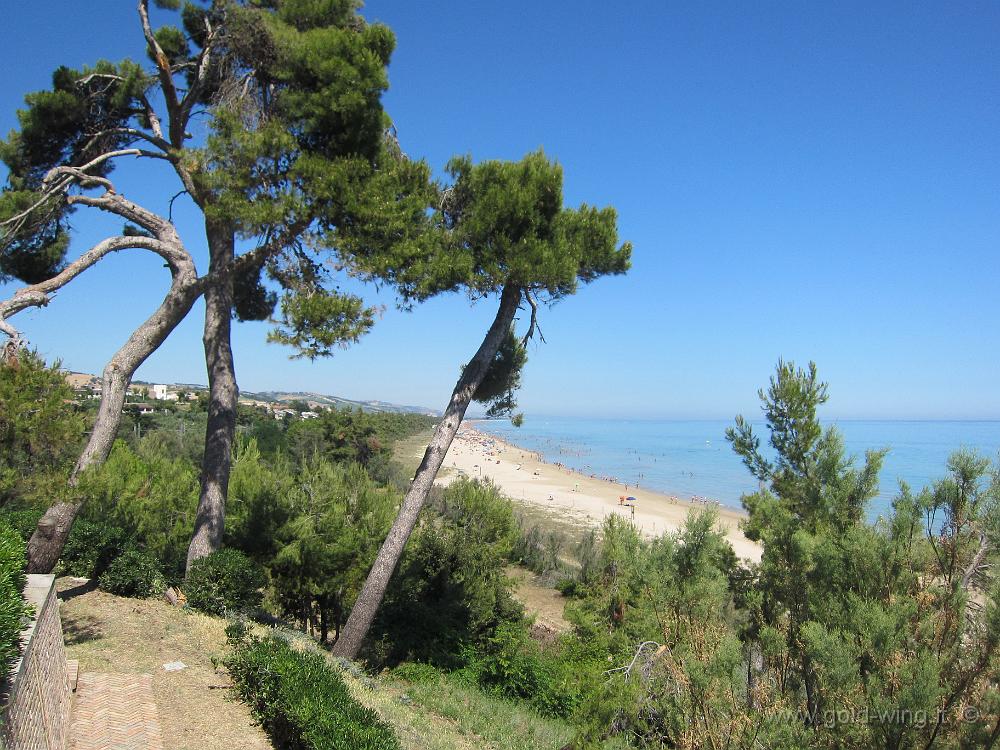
<point>503,223</point>
<point>298,158</point>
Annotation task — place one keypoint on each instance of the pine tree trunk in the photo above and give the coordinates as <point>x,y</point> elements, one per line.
<point>49,538</point>
<point>223,395</point>
<point>363,613</point>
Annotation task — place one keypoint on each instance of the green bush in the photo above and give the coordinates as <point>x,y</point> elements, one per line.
<point>451,591</point>
<point>90,548</point>
<point>134,573</point>
<point>225,583</point>
<point>300,701</point>
<point>22,521</point>
<point>13,610</point>
<point>514,666</point>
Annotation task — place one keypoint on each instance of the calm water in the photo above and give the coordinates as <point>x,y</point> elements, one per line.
<point>687,458</point>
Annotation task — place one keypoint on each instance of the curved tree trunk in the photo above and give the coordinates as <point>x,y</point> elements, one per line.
<point>363,613</point>
<point>47,542</point>
<point>209,525</point>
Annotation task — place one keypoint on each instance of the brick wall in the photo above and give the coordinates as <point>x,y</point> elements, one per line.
<point>36,716</point>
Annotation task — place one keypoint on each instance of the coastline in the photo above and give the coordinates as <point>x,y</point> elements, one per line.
<point>526,478</point>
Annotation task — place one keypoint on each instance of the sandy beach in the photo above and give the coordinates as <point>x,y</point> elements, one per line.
<point>526,478</point>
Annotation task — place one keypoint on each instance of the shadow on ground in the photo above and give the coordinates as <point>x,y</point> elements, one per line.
<point>80,629</point>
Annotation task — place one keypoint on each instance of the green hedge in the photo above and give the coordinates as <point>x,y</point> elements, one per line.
<point>13,610</point>
<point>224,583</point>
<point>300,700</point>
<point>134,573</point>
<point>90,548</point>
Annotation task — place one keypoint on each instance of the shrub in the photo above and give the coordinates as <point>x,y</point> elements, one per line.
<point>514,666</point>
<point>13,609</point>
<point>300,701</point>
<point>134,573</point>
<point>90,548</point>
<point>451,591</point>
<point>224,583</point>
<point>22,521</point>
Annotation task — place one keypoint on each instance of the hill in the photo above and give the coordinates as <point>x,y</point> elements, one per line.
<point>87,381</point>
<point>320,399</point>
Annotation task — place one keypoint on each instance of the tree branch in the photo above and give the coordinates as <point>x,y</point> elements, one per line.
<point>165,75</point>
<point>977,561</point>
<point>533,326</point>
<point>40,294</point>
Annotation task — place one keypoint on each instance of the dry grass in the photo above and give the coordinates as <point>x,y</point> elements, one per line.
<point>540,600</point>
<point>110,634</point>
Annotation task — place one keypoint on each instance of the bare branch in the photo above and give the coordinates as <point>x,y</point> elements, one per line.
<point>170,205</point>
<point>533,326</point>
<point>977,561</point>
<point>40,294</point>
<point>203,63</point>
<point>165,75</point>
<point>646,665</point>
<point>157,140</point>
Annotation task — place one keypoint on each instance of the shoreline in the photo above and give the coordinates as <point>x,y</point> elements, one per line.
<point>525,477</point>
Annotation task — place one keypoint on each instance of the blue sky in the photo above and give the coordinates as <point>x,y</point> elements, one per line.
<point>799,180</point>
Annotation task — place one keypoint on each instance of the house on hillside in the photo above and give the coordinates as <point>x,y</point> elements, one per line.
<point>161,393</point>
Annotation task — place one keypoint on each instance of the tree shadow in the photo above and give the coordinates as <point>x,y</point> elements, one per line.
<point>80,629</point>
<point>79,590</point>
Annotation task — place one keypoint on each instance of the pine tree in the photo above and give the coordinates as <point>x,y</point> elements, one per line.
<point>504,232</point>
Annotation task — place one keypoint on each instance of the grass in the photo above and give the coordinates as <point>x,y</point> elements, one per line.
<point>498,723</point>
<point>408,452</point>
<point>446,713</point>
<point>110,634</point>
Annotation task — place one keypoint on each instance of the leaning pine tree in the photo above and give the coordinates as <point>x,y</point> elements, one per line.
<point>505,232</point>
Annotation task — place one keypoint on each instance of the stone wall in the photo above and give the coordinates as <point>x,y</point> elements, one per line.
<point>36,716</point>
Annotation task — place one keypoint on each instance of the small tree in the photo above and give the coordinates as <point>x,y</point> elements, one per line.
<point>40,431</point>
<point>506,232</point>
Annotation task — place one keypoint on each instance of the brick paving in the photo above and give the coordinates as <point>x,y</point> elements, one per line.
<point>115,712</point>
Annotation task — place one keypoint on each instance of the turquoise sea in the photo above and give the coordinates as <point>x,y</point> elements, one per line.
<point>689,458</point>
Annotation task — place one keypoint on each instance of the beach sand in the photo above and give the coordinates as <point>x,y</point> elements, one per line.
<point>525,477</point>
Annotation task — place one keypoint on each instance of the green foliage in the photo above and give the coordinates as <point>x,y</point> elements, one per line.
<point>337,518</point>
<point>513,665</point>
<point>318,322</point>
<point>59,127</point>
<point>258,505</point>
<point>451,591</point>
<point>503,378</point>
<point>150,494</point>
<point>504,224</point>
<point>90,548</point>
<point>133,573</point>
<point>23,521</point>
<point>13,609</point>
<point>352,435</point>
<point>224,583</point>
<point>300,701</point>
<point>40,431</point>
<point>539,550</point>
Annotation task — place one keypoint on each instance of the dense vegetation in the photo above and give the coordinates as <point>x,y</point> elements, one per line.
<point>846,633</point>
<point>300,701</point>
<point>13,609</point>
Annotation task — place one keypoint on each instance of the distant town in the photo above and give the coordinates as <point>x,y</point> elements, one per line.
<point>147,398</point>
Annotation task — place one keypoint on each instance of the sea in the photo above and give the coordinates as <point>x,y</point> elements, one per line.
<point>693,459</point>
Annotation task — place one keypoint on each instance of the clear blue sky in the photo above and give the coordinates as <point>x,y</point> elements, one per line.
<point>806,180</point>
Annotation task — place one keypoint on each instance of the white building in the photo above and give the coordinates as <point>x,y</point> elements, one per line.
<point>160,393</point>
